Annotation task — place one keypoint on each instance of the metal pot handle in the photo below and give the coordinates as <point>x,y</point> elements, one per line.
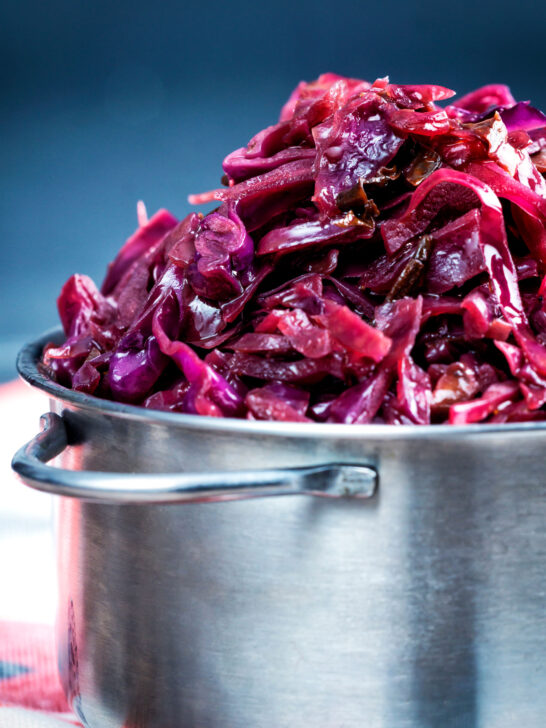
<point>332,480</point>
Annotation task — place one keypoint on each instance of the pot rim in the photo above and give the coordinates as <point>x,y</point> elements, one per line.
<point>27,366</point>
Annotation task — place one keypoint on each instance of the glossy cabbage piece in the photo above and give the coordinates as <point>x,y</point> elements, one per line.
<point>376,256</point>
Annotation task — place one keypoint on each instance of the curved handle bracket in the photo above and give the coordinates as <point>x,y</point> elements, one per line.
<point>332,480</point>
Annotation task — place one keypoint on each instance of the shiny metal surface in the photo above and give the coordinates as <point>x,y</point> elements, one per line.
<point>423,606</point>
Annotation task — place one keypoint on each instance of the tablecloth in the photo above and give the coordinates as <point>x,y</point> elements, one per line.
<point>30,692</point>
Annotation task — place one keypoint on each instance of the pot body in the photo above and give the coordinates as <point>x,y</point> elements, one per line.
<point>423,606</point>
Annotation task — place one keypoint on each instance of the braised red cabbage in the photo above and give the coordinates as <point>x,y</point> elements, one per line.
<point>374,257</point>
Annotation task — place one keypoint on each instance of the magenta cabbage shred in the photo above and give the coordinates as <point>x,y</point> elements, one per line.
<point>375,257</point>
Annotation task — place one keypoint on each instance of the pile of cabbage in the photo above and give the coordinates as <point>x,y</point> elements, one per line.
<point>374,257</point>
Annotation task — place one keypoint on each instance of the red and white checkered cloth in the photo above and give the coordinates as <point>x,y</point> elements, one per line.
<point>30,691</point>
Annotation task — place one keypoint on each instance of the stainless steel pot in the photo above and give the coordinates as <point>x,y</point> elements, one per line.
<point>414,596</point>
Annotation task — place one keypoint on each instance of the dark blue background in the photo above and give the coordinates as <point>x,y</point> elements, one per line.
<point>105,103</point>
